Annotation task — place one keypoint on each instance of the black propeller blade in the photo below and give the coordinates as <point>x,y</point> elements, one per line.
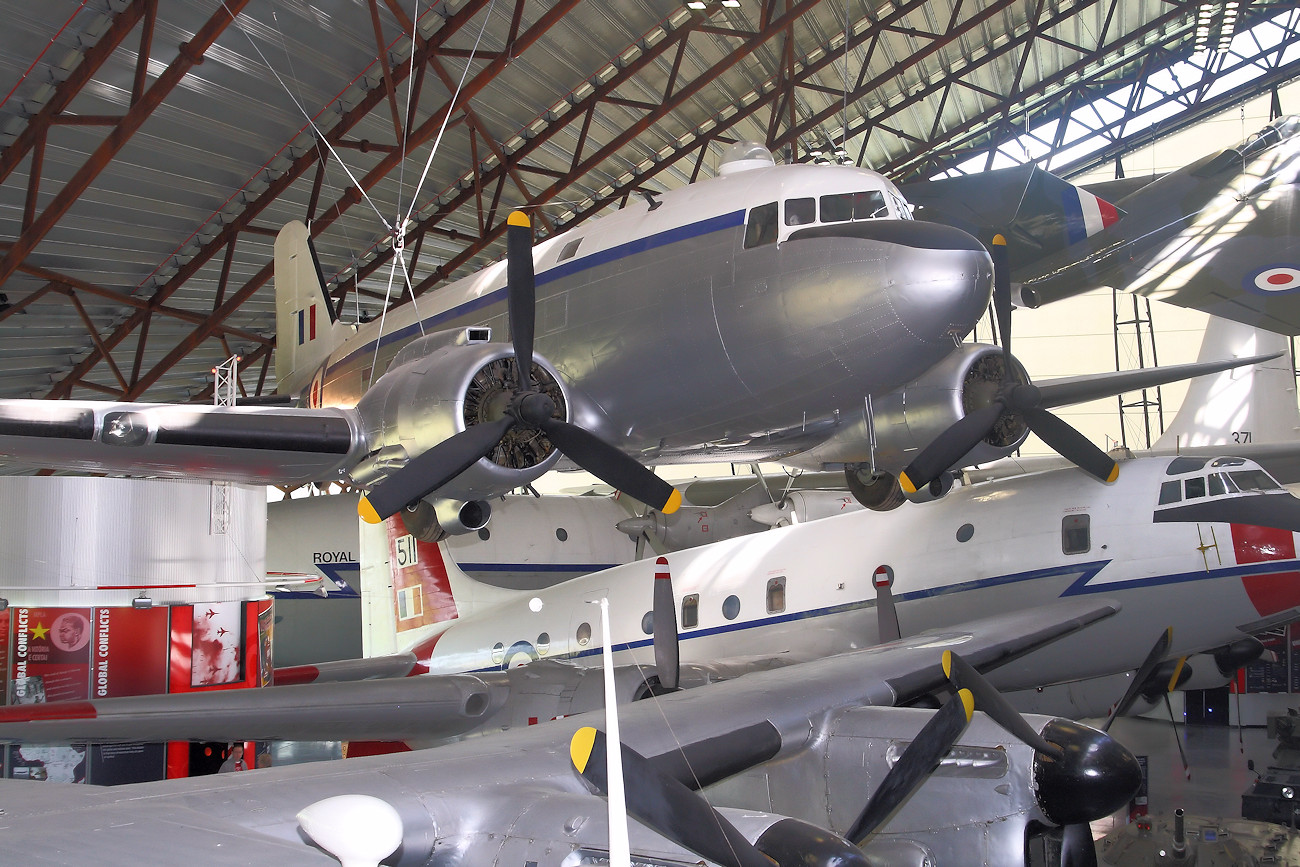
<point>667,655</point>
<point>1157,653</point>
<point>1012,396</point>
<point>916,763</point>
<point>993,703</point>
<point>664,804</point>
<point>528,407</point>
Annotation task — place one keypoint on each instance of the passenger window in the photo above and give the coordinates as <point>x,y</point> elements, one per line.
<point>691,611</point>
<point>1217,487</point>
<point>569,249</point>
<point>1195,488</point>
<point>800,212</point>
<point>1171,492</point>
<point>1076,538</point>
<point>762,226</point>
<point>775,595</point>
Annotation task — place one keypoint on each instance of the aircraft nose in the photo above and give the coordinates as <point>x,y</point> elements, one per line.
<point>940,280</point>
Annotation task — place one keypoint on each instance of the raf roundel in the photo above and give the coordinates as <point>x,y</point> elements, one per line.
<point>1274,278</point>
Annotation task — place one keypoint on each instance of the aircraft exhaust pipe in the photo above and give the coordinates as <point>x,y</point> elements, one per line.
<point>432,522</point>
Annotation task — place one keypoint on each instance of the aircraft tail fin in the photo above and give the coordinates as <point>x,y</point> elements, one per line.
<point>1254,404</point>
<point>306,326</point>
<point>413,590</point>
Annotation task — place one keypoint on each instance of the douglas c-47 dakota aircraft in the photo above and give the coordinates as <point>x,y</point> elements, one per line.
<point>755,315</point>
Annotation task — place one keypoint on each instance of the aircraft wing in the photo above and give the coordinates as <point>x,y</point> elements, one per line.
<point>255,444</point>
<point>473,788</point>
<point>436,707</point>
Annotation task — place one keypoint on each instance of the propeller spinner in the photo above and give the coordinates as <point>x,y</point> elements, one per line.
<point>528,408</point>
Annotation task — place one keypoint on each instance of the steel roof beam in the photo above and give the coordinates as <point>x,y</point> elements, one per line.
<point>190,55</point>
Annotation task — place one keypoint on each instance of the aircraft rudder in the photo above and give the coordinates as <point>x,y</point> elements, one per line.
<point>305,320</point>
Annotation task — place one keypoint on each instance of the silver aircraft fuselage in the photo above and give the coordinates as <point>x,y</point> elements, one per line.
<point>684,330</point>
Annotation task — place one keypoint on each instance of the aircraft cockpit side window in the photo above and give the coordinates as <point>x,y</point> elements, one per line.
<point>1217,487</point>
<point>901,206</point>
<point>570,248</point>
<point>691,611</point>
<point>800,212</point>
<point>761,228</point>
<point>776,595</point>
<point>1171,492</point>
<point>1194,487</point>
<point>1248,481</point>
<point>842,207</point>
<point>1076,534</point>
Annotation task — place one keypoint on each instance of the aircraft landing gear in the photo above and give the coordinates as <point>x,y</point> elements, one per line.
<point>880,493</point>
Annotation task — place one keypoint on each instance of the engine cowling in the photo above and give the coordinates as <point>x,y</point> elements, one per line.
<point>909,419</point>
<point>436,387</point>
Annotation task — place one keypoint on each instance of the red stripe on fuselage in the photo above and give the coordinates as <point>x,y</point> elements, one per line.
<point>1268,593</point>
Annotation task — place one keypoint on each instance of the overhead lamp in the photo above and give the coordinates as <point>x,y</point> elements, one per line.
<point>731,4</point>
<point>142,601</point>
<point>696,4</point>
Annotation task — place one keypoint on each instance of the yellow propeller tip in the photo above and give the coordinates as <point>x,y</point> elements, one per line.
<point>967,702</point>
<point>518,218</point>
<point>947,663</point>
<point>906,484</point>
<point>999,240</point>
<point>367,512</point>
<point>1114,474</point>
<point>580,747</point>
<point>674,502</point>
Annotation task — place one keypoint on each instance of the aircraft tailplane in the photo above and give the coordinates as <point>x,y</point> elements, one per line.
<point>306,327</point>
<point>1254,404</point>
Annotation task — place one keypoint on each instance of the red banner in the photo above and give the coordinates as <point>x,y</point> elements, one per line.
<point>130,656</point>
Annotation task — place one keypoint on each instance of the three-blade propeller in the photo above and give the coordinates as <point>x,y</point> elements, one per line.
<point>528,407</point>
<point>1021,398</point>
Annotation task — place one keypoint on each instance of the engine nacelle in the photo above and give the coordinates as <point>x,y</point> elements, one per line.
<point>907,420</point>
<point>799,507</point>
<point>436,387</point>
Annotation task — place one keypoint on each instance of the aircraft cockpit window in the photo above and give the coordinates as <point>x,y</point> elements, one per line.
<point>569,249</point>
<point>1227,462</point>
<point>1217,487</point>
<point>1076,534</point>
<point>902,207</point>
<point>1248,481</point>
<point>842,207</point>
<point>800,212</point>
<point>775,595</point>
<point>691,611</point>
<point>1194,487</point>
<point>761,228</point>
<point>1171,492</point>
<point>1184,465</point>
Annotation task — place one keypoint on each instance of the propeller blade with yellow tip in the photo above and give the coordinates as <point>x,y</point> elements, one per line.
<point>664,804</point>
<point>993,703</point>
<point>917,762</point>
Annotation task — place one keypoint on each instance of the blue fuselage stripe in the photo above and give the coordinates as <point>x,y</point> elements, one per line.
<point>1088,570</point>
<point>595,260</point>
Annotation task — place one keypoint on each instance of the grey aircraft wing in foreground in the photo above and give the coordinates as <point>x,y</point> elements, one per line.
<point>849,758</point>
